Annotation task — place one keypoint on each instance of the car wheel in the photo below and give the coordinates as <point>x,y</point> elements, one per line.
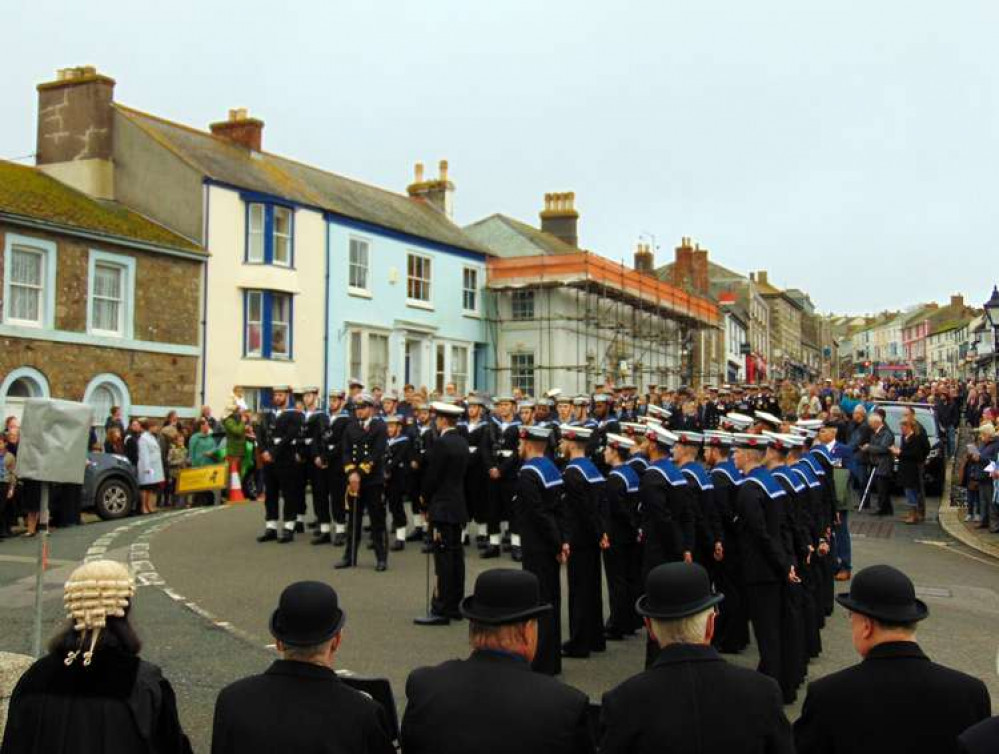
<point>114,499</point>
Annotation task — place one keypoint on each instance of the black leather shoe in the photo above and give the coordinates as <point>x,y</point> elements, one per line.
<point>300,527</point>
<point>381,565</point>
<point>416,535</point>
<point>398,546</point>
<point>286,536</point>
<point>516,555</point>
<point>575,654</point>
<point>492,551</point>
<point>339,539</point>
<point>343,563</point>
<point>321,539</point>
<point>269,535</point>
<point>432,620</point>
<point>612,634</point>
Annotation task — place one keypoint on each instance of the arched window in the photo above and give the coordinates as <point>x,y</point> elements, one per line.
<point>19,385</point>
<point>103,392</point>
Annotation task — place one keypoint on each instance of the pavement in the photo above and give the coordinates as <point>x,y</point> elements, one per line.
<point>207,589</point>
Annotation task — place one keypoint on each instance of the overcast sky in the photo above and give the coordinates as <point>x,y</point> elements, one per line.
<point>847,147</point>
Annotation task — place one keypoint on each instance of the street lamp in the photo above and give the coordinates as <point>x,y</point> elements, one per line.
<point>992,312</point>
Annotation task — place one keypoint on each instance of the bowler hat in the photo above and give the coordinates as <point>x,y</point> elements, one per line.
<point>885,594</point>
<point>676,590</point>
<point>308,613</point>
<point>504,595</point>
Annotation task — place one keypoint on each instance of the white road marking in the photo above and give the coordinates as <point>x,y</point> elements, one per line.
<point>946,547</point>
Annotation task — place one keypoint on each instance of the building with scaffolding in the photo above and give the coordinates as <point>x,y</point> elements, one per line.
<point>562,317</point>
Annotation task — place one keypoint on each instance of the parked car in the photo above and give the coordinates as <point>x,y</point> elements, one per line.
<point>110,486</point>
<point>933,473</point>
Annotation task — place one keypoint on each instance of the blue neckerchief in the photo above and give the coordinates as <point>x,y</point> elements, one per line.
<point>639,462</point>
<point>626,472</point>
<point>589,421</point>
<point>728,469</point>
<point>504,426</point>
<point>765,479</point>
<point>668,470</point>
<point>342,412</point>
<point>814,464</point>
<point>396,440</point>
<point>695,471</point>
<point>785,473</point>
<point>546,470</point>
<point>587,469</point>
<point>822,450</point>
<point>808,473</point>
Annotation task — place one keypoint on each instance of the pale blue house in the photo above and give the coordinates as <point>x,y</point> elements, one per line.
<point>406,300</point>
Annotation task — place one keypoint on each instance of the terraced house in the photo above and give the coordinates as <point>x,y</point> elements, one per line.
<point>311,277</point>
<point>100,304</point>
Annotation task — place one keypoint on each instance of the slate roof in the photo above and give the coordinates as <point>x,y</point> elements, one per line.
<point>28,192</point>
<point>507,237</point>
<point>223,161</point>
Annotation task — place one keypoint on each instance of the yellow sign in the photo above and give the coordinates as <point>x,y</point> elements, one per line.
<point>202,479</point>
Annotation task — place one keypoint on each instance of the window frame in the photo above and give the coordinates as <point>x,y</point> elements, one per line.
<point>516,369</point>
<point>127,313</point>
<point>363,371</point>
<point>473,291</point>
<point>364,290</point>
<point>422,303</point>
<point>267,299</point>
<point>46,306</point>
<point>517,301</point>
<point>269,232</point>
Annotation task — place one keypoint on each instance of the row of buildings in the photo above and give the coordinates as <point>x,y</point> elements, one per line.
<point>928,340</point>
<point>155,266</point>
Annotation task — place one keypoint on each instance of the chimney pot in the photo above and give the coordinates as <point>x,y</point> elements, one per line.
<point>239,128</point>
<point>560,218</point>
<point>418,173</point>
<point>442,170</point>
<point>437,193</point>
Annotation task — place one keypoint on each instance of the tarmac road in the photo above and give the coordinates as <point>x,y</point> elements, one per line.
<point>207,589</point>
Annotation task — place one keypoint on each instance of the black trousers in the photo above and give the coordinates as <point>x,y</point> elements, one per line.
<point>283,491</point>
<point>506,490</point>
<point>622,564</point>
<point>449,569</point>
<point>370,500</point>
<point>393,496</point>
<point>549,656</point>
<point>336,486</point>
<point>883,486</point>
<point>318,480</point>
<point>732,624</point>
<point>586,603</point>
<point>765,612</point>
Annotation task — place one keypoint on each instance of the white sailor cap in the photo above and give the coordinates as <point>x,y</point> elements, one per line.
<point>812,424</point>
<point>650,421</point>
<point>504,399</point>
<point>574,432</point>
<point>657,411</point>
<point>784,442</point>
<point>581,400</point>
<point>354,382</point>
<point>555,392</point>
<point>633,428</point>
<point>768,418</point>
<point>393,419</point>
<point>535,432</point>
<point>447,409</point>
<point>661,436</point>
<point>750,442</point>
<point>619,441</point>
<point>337,392</point>
<point>310,389</point>
<point>476,400</point>
<point>806,432</point>
<point>715,438</point>
<point>685,437</point>
<point>364,398</point>
<point>563,398</point>
<point>602,398</point>
<point>281,389</point>
<point>737,421</point>
<point>526,403</point>
<point>545,402</point>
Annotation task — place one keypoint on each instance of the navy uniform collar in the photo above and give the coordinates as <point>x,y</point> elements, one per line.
<point>673,654</point>
<point>499,657</point>
<point>891,650</point>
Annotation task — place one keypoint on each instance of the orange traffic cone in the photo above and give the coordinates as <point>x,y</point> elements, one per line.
<point>235,488</point>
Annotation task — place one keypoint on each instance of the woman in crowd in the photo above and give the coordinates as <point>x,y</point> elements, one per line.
<point>150,466</point>
<point>92,692</point>
<point>114,442</point>
<point>911,454</point>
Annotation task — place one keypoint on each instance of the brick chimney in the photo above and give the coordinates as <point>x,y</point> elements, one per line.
<point>240,129</point>
<point>699,270</point>
<point>682,271</point>
<point>560,218</point>
<point>957,301</point>
<point>76,130</point>
<point>644,259</point>
<point>437,193</point>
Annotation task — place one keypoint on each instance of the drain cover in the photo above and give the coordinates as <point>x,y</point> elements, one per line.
<point>872,529</point>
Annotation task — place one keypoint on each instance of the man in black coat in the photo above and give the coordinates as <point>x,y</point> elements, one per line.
<point>879,455</point>
<point>691,700</point>
<point>299,704</point>
<point>491,703</point>
<point>444,496</point>
<point>896,700</point>
<point>363,457</point>
<point>280,430</point>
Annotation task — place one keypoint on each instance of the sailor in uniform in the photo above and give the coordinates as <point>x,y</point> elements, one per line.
<point>581,490</point>
<point>482,472</point>
<point>309,449</point>
<point>336,481</point>
<point>622,556</point>
<point>398,466</point>
<point>508,458</point>
<point>279,429</point>
<point>732,627</point>
<point>423,433</point>
<point>708,548</point>
<point>544,538</point>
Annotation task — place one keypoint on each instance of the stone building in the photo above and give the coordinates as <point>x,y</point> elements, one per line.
<point>100,304</point>
<point>785,329</point>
